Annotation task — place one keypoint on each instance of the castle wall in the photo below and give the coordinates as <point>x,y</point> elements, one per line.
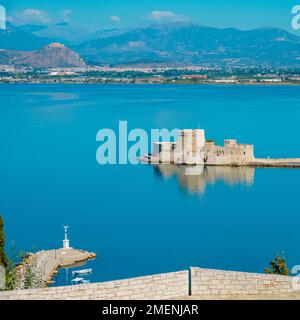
<point>232,153</point>
<point>192,148</point>
<point>164,151</point>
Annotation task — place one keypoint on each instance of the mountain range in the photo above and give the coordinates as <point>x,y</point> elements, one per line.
<point>172,43</point>
<point>15,38</point>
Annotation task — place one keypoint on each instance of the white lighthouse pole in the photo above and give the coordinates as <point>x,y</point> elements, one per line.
<point>66,241</point>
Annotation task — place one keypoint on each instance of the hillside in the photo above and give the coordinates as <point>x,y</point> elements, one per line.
<point>14,38</point>
<point>55,55</point>
<point>187,43</point>
<point>169,44</point>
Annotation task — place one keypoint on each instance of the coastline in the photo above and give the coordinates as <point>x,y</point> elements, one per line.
<point>281,84</point>
<point>48,262</point>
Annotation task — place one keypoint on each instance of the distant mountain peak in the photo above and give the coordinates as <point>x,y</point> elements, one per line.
<point>53,55</point>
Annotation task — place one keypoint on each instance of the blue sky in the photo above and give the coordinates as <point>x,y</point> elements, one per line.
<point>126,13</point>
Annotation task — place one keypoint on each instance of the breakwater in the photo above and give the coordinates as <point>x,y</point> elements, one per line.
<point>276,163</point>
<point>49,261</point>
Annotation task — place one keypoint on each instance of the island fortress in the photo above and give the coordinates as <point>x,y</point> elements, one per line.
<point>192,148</point>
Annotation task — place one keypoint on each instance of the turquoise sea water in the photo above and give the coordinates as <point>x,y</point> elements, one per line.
<point>140,219</point>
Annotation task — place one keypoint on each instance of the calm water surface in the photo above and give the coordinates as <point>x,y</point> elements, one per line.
<point>140,219</point>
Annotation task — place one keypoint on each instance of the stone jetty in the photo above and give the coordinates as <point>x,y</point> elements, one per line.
<point>46,263</point>
<point>276,163</point>
<point>50,261</point>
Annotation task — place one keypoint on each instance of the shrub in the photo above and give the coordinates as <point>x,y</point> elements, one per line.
<point>278,266</point>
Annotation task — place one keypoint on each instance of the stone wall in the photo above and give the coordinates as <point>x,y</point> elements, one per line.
<point>232,153</point>
<point>288,162</point>
<point>217,282</point>
<point>160,286</point>
<point>196,281</point>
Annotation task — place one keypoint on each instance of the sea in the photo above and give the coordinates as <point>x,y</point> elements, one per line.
<point>141,219</point>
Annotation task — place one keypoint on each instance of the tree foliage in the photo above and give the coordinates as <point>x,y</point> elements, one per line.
<point>3,256</point>
<point>19,275</point>
<point>278,266</point>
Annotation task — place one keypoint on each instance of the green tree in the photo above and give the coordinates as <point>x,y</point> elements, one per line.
<point>278,266</point>
<point>24,275</point>
<point>3,256</point>
<point>11,272</point>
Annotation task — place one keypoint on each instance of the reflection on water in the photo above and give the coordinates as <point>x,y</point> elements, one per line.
<point>55,96</point>
<point>195,178</point>
<point>64,277</point>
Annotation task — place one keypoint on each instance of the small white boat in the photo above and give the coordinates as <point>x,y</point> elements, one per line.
<point>84,281</point>
<point>77,280</point>
<point>80,281</point>
<point>83,272</point>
